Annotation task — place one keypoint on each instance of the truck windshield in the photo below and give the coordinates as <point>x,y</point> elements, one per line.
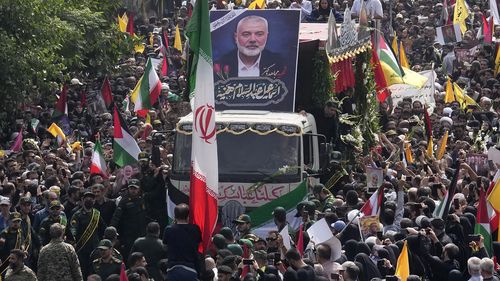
<point>247,157</point>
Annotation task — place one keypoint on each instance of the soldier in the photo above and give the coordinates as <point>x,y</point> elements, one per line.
<point>31,243</point>
<point>243,226</point>
<point>86,227</point>
<point>18,271</point>
<point>58,260</point>
<point>54,217</point>
<point>130,217</point>
<point>11,238</point>
<point>106,264</point>
<point>324,196</point>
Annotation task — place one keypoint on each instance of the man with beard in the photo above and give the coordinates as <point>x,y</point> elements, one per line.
<point>86,227</point>
<point>54,217</point>
<point>105,206</point>
<point>11,238</point>
<point>17,270</point>
<point>250,58</point>
<point>130,217</point>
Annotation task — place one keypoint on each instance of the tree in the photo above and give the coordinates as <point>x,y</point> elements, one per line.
<point>46,42</point>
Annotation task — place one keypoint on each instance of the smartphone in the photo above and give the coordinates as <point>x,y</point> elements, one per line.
<point>247,262</point>
<point>380,236</point>
<point>380,263</point>
<point>474,237</point>
<point>334,276</point>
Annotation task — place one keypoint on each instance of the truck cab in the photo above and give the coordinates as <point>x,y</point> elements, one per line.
<point>262,155</point>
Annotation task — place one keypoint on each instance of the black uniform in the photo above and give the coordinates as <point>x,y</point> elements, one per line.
<point>105,269</point>
<point>130,221</point>
<point>13,240</point>
<point>43,232</point>
<point>79,222</point>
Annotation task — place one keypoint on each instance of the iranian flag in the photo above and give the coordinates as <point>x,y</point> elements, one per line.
<point>372,206</point>
<point>483,222</point>
<point>98,164</point>
<point>204,166</point>
<point>147,90</point>
<point>125,148</point>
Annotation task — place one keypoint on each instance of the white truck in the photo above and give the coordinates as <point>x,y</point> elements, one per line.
<point>262,155</point>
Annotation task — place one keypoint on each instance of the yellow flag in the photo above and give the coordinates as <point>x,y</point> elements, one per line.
<point>449,96</point>
<point>177,39</point>
<point>151,39</point>
<point>57,133</point>
<point>122,22</point>
<point>460,14</point>
<point>410,77</point>
<point>2,154</point>
<point>408,154</point>
<point>403,266</point>
<point>394,45</point>
<point>442,146</point>
<point>257,4</point>
<point>497,66</point>
<point>430,147</point>
<point>494,197</point>
<point>462,97</point>
<point>402,56</point>
<point>135,92</point>
<point>76,146</point>
<point>148,119</point>
<point>139,48</point>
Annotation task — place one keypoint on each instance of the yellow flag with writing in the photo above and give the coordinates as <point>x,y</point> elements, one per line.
<point>430,147</point>
<point>122,22</point>
<point>460,14</point>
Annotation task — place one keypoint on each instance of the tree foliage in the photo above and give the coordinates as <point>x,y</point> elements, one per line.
<point>46,42</point>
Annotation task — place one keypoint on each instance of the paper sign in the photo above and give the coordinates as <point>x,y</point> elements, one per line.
<point>286,238</point>
<point>335,246</point>
<point>319,232</point>
<point>494,155</point>
<point>425,94</point>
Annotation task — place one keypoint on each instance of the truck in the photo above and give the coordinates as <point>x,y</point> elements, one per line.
<point>262,155</point>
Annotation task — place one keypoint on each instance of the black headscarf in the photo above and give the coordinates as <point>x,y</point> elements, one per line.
<point>362,247</point>
<point>370,269</point>
<point>350,249</point>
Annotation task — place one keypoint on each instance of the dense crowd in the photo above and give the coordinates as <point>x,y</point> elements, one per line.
<point>60,222</point>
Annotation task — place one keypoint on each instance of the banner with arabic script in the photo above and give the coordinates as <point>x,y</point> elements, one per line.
<point>255,58</point>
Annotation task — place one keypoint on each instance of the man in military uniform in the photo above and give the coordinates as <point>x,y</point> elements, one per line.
<point>18,271</point>
<point>106,264</point>
<point>324,196</point>
<point>130,217</point>
<point>11,238</point>
<point>54,217</point>
<point>86,227</point>
<point>31,242</point>
<point>243,226</point>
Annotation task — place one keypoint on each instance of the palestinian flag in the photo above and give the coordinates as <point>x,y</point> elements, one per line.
<point>443,208</point>
<point>393,72</point>
<point>125,148</point>
<point>483,223</point>
<point>147,90</point>
<point>378,74</point>
<point>262,219</point>
<point>372,206</point>
<point>174,198</point>
<point>98,164</point>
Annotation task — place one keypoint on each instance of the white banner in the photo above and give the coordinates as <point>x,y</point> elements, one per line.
<point>425,94</point>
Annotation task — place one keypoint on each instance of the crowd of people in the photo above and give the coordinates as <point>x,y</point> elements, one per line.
<point>60,222</point>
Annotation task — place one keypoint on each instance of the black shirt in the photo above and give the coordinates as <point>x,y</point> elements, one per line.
<point>182,242</point>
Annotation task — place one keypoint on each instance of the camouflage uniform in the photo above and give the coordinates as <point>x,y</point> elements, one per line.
<point>58,261</point>
<point>24,274</point>
<point>327,203</point>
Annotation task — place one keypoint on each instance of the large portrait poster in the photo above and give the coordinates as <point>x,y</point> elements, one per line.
<point>255,58</point>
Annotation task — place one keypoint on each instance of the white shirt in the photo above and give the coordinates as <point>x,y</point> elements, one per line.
<point>373,8</point>
<point>248,71</point>
<point>305,8</point>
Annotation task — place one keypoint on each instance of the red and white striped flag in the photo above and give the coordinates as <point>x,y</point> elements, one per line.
<point>372,206</point>
<point>204,186</point>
